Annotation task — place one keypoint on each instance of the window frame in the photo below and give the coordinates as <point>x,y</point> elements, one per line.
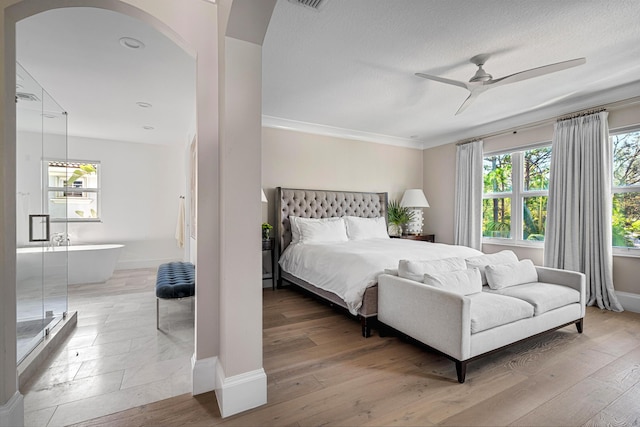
<point>623,250</point>
<point>517,195</point>
<point>66,189</point>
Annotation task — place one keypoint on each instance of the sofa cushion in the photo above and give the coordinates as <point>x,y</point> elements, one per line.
<point>504,275</point>
<point>542,296</point>
<point>464,282</point>
<point>416,269</point>
<point>489,310</point>
<point>480,261</point>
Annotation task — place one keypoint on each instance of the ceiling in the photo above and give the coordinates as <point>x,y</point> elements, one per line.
<point>75,54</point>
<point>348,69</point>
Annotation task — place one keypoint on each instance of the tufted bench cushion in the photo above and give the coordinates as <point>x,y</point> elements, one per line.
<point>176,280</point>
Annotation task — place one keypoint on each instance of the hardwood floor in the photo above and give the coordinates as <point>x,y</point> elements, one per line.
<point>322,372</point>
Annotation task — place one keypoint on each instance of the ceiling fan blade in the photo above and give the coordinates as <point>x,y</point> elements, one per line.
<point>536,72</point>
<point>443,80</point>
<point>472,96</point>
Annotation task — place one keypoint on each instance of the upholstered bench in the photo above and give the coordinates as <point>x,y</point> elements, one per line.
<point>174,280</point>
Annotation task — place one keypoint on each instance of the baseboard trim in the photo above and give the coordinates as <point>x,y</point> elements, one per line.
<point>12,412</point>
<point>241,392</point>
<point>203,373</point>
<point>629,301</point>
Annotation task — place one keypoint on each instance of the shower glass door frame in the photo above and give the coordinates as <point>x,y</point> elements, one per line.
<point>41,265</point>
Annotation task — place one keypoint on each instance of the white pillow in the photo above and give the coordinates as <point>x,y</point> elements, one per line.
<point>480,261</point>
<point>295,229</point>
<point>463,282</point>
<point>320,232</point>
<point>505,275</point>
<point>366,228</point>
<point>416,269</point>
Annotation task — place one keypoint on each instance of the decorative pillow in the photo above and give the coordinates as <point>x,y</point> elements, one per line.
<point>505,275</point>
<point>502,257</point>
<point>416,269</point>
<point>314,232</point>
<point>463,282</point>
<point>295,229</point>
<point>366,228</point>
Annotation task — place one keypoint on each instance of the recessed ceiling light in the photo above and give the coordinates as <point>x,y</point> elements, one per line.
<point>144,105</point>
<point>131,43</point>
<point>48,116</point>
<point>148,127</point>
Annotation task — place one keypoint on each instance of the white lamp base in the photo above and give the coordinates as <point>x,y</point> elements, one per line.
<point>415,226</point>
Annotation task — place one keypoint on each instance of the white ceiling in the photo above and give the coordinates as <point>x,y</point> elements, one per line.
<point>348,69</point>
<point>75,54</point>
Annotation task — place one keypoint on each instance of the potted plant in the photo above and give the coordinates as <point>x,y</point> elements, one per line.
<point>266,230</point>
<point>398,216</point>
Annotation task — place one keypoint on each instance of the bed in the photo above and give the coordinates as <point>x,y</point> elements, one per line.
<point>344,273</point>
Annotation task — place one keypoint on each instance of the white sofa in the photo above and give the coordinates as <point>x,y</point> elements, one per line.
<point>467,327</point>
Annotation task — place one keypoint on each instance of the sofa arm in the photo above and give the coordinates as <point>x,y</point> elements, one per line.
<point>572,279</point>
<point>437,318</point>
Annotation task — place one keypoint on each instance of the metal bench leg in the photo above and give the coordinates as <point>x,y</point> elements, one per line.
<point>158,313</point>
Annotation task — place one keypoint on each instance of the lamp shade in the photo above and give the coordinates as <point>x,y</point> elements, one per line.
<point>414,198</point>
<point>264,197</point>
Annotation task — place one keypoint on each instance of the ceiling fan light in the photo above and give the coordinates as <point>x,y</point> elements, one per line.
<point>480,76</point>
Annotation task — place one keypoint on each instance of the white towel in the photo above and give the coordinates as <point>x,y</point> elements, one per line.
<point>180,224</point>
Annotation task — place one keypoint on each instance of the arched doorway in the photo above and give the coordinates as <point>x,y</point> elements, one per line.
<point>203,45</point>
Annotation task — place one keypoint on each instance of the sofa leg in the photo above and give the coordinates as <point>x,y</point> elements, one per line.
<point>461,370</point>
<point>579,325</point>
<point>383,331</point>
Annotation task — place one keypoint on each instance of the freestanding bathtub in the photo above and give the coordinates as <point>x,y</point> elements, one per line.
<point>87,263</point>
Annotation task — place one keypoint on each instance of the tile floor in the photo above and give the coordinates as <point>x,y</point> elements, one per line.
<point>115,359</point>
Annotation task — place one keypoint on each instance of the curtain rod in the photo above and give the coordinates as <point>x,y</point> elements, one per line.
<point>611,106</point>
<point>581,114</point>
<point>468,141</point>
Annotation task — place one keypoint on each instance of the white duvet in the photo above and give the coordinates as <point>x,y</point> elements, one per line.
<point>348,268</point>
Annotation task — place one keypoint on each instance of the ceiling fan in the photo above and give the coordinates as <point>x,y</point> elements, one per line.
<point>482,81</point>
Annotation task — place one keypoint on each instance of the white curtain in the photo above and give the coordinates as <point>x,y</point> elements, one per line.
<point>467,227</point>
<point>578,235</point>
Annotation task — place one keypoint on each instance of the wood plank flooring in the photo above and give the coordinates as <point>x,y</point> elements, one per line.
<point>322,372</point>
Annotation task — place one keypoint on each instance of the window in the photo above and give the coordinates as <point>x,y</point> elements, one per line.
<point>515,194</point>
<point>626,189</point>
<point>73,190</point>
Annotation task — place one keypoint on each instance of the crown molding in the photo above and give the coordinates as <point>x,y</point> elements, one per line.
<point>318,129</point>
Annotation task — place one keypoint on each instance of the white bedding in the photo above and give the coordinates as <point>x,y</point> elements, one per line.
<point>348,268</point>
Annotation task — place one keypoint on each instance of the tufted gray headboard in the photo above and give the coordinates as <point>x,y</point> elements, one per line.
<point>322,204</point>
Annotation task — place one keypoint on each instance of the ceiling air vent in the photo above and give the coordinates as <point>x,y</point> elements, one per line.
<point>23,96</point>
<point>311,4</point>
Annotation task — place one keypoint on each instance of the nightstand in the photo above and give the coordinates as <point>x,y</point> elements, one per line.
<point>269,246</point>
<point>422,237</point>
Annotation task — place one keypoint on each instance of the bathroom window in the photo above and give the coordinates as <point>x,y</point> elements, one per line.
<point>73,190</point>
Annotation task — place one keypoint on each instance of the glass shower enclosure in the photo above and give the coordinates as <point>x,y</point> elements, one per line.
<point>41,258</point>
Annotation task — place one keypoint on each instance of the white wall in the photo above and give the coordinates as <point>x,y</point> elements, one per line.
<point>140,185</point>
<point>439,182</point>
<point>302,160</point>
